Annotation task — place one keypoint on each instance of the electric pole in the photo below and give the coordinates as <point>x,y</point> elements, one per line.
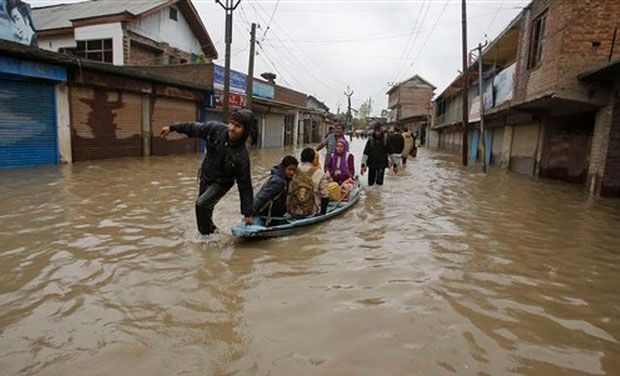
<point>229,8</point>
<point>465,83</point>
<point>250,78</point>
<point>481,93</point>
<point>349,94</point>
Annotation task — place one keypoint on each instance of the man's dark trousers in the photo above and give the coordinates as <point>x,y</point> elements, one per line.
<point>209,195</point>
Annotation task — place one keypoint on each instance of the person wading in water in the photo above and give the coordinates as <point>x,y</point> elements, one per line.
<point>226,161</point>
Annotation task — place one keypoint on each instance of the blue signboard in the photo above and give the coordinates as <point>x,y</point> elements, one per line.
<point>30,69</point>
<point>238,82</point>
<point>262,90</point>
<point>16,22</point>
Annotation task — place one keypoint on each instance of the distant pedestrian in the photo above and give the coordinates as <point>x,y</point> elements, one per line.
<point>331,140</point>
<point>409,145</point>
<point>226,162</point>
<point>375,158</point>
<point>396,144</point>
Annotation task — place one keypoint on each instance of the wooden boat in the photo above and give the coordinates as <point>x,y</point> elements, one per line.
<point>291,224</point>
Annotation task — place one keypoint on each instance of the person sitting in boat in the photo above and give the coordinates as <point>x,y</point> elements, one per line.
<point>307,193</point>
<point>340,168</point>
<point>330,141</point>
<point>270,201</point>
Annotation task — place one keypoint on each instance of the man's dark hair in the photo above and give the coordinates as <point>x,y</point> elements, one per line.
<point>396,129</point>
<point>405,129</point>
<point>289,160</point>
<point>247,119</point>
<point>307,155</point>
<point>339,125</point>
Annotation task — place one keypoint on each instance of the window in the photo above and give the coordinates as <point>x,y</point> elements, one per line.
<point>170,59</point>
<point>537,40</point>
<point>96,50</point>
<point>174,14</point>
<point>68,51</point>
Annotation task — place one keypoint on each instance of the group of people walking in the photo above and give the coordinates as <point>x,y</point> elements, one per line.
<point>299,188</point>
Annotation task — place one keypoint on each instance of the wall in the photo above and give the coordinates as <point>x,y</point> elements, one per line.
<point>571,29</point>
<point>63,122</point>
<point>161,28</point>
<point>112,30</point>
<point>415,99</point>
<point>54,43</point>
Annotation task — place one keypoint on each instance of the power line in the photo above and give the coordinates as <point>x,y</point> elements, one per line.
<point>270,19</point>
<point>292,56</point>
<point>431,32</point>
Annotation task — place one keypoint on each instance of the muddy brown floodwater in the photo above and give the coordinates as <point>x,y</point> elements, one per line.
<point>442,271</point>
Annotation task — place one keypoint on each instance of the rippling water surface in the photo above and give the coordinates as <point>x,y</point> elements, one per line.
<point>442,271</point>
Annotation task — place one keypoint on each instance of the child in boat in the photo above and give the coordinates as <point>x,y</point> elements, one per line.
<point>340,168</point>
<point>270,201</point>
<point>308,194</point>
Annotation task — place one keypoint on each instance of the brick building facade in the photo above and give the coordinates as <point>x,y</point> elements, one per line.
<point>545,116</point>
<point>409,104</point>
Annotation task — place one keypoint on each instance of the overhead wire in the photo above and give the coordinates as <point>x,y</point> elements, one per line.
<point>292,56</point>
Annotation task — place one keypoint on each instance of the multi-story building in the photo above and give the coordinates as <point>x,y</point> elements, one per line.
<point>126,32</point>
<point>550,103</point>
<point>409,104</point>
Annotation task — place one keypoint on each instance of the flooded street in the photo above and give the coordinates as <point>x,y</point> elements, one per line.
<point>442,271</point>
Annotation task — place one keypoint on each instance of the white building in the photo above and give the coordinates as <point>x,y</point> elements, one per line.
<point>126,32</point>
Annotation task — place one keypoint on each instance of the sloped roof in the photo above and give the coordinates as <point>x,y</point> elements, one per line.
<point>418,77</point>
<point>60,16</point>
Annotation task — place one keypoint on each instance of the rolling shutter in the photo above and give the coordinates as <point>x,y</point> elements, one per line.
<point>167,111</point>
<point>27,124</point>
<point>105,123</point>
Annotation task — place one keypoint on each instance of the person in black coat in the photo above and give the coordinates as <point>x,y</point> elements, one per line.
<point>270,201</point>
<point>226,161</point>
<point>375,158</point>
<point>396,144</point>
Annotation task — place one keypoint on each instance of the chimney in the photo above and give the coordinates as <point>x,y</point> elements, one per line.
<point>270,77</point>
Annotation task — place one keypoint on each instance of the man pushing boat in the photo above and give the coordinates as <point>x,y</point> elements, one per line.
<point>226,161</point>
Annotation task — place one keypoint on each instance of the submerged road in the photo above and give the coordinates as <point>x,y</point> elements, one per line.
<point>442,271</point>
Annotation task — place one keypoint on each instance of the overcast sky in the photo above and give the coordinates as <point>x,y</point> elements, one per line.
<point>319,47</point>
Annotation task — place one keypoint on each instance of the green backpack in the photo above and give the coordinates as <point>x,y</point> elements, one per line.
<point>300,200</point>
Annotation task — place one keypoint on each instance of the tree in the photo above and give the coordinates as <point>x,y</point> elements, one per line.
<point>365,110</point>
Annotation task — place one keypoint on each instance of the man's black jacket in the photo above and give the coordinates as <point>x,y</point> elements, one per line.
<point>225,161</point>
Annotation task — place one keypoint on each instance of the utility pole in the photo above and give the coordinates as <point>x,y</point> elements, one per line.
<point>229,8</point>
<point>481,93</point>
<point>465,83</point>
<point>349,94</point>
<point>250,78</point>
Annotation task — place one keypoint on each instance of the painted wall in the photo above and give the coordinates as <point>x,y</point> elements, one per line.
<point>112,30</point>
<point>161,28</point>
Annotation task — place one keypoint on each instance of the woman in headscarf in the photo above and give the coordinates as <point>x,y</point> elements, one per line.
<point>340,168</point>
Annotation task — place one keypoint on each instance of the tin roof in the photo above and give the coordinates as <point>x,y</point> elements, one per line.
<point>60,16</point>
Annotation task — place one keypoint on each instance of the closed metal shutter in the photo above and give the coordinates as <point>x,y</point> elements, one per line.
<point>105,123</point>
<point>274,126</point>
<point>167,111</point>
<point>27,124</point>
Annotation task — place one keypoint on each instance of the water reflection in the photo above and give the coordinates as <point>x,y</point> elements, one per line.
<point>441,271</point>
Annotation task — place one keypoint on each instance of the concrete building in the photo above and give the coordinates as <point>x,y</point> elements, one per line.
<point>316,120</point>
<point>54,108</point>
<point>126,32</point>
<point>409,105</point>
<point>548,96</point>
